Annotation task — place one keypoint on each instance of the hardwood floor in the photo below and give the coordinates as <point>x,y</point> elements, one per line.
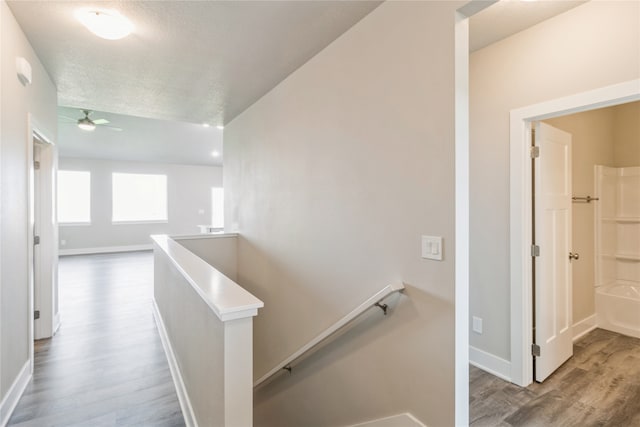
<point>598,386</point>
<point>106,365</point>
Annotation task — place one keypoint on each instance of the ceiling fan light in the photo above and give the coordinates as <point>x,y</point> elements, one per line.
<point>109,25</point>
<point>86,124</point>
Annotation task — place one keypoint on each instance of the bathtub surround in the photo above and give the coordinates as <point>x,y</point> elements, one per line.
<point>188,203</point>
<point>618,249</point>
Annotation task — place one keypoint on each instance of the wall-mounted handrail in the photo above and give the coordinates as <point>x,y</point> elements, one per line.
<point>374,301</point>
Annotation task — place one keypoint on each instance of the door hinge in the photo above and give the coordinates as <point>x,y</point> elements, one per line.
<point>36,240</point>
<point>535,152</point>
<point>36,165</point>
<point>535,350</point>
<point>535,250</point>
<point>36,314</point>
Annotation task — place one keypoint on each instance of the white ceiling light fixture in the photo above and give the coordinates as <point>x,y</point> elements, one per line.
<point>86,123</point>
<point>107,24</point>
<point>215,153</point>
<point>205,125</point>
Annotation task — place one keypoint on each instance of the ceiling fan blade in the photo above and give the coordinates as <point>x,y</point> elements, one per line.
<point>112,128</point>
<point>101,121</point>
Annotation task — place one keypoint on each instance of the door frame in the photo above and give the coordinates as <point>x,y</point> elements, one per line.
<point>521,204</point>
<point>46,264</point>
<point>461,153</point>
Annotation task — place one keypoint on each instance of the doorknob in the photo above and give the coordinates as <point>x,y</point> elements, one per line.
<point>575,256</point>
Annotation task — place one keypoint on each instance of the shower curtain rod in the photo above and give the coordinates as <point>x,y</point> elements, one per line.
<point>586,199</point>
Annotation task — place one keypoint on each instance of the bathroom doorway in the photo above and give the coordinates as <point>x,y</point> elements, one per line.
<point>605,218</point>
<point>522,210</point>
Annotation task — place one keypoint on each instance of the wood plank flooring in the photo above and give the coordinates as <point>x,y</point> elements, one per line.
<point>106,365</point>
<point>598,386</point>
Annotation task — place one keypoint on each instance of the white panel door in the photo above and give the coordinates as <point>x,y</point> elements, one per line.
<point>552,234</point>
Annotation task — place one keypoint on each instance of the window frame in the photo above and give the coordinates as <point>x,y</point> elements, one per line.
<point>140,221</point>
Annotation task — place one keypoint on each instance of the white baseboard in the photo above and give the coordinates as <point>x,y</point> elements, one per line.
<point>400,420</point>
<point>181,390</point>
<point>490,363</point>
<point>14,393</point>
<point>584,326</point>
<point>105,250</point>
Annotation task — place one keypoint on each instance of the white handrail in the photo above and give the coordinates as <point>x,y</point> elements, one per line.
<point>371,302</point>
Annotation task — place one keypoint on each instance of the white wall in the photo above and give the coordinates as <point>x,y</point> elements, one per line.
<point>39,99</point>
<point>332,178</point>
<point>559,57</point>
<point>188,192</point>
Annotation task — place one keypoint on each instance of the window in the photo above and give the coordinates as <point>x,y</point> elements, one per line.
<point>74,197</point>
<point>139,197</point>
<point>217,207</point>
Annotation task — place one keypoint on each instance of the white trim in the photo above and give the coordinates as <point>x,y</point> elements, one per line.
<point>227,299</point>
<point>520,207</point>
<point>462,196</point>
<point>181,390</point>
<point>220,235</point>
<point>74,224</point>
<point>490,363</point>
<point>140,222</point>
<point>14,393</point>
<point>584,326</point>
<point>47,231</point>
<point>46,253</point>
<point>400,420</point>
<point>105,250</point>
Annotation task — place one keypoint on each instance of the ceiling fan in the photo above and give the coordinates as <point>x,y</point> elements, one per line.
<point>87,124</point>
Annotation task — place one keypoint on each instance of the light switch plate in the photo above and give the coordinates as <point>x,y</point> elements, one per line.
<point>432,247</point>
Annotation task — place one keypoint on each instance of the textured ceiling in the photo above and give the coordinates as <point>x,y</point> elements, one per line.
<point>193,62</point>
<point>141,139</point>
<point>187,61</point>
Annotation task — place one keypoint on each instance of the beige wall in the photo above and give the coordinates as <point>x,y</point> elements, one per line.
<point>331,179</point>
<point>627,135</point>
<point>559,57</point>
<point>39,99</point>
